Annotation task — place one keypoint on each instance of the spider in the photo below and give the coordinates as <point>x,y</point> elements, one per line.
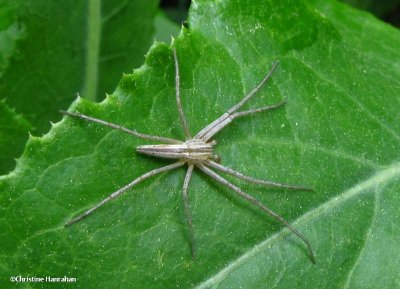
<point>197,151</point>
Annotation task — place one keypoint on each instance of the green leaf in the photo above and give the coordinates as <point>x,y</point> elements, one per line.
<point>12,136</point>
<point>50,51</point>
<point>338,133</point>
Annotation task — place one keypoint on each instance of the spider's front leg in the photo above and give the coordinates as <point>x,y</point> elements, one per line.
<point>213,128</point>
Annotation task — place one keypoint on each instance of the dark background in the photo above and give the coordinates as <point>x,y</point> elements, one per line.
<point>387,10</point>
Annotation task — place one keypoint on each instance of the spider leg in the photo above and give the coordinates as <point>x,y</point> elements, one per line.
<point>121,128</point>
<point>256,110</point>
<point>187,208</point>
<point>218,124</point>
<point>254,90</point>
<point>254,180</point>
<point>178,99</point>
<point>257,203</point>
<point>119,192</point>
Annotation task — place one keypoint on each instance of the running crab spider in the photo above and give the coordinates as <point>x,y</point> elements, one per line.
<point>197,151</point>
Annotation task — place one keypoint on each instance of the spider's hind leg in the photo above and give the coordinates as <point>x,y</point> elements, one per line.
<point>187,208</point>
<point>260,205</point>
<point>122,190</point>
<point>239,175</point>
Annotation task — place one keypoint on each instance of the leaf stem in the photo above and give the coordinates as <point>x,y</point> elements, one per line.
<point>92,50</point>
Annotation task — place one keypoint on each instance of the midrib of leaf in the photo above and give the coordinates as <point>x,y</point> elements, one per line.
<point>362,249</point>
<point>384,176</point>
<point>92,50</point>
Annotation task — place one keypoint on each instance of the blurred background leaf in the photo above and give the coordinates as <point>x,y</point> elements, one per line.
<point>52,50</point>
<point>13,132</point>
